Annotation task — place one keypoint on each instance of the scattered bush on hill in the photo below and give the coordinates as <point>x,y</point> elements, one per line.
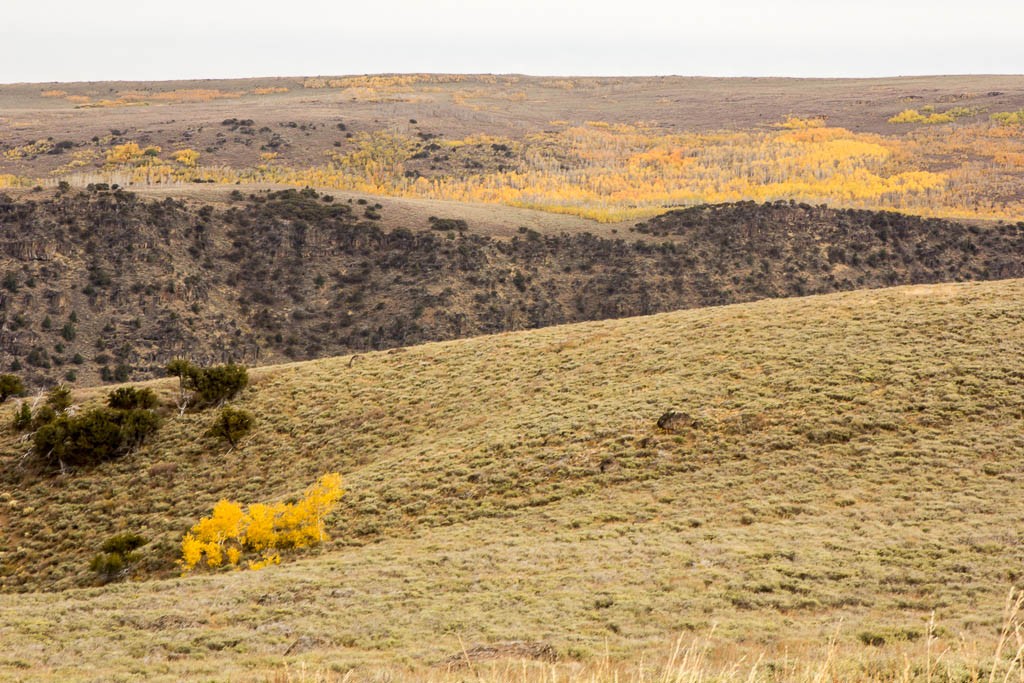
<point>456,224</point>
<point>202,387</point>
<point>231,425</point>
<point>59,398</point>
<point>22,418</point>
<point>93,436</point>
<point>66,438</point>
<point>929,116</point>
<point>10,385</point>
<point>117,556</point>
<point>1009,118</point>
<point>130,398</point>
<point>232,533</point>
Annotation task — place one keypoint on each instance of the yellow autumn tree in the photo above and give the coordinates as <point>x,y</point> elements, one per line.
<point>131,154</point>
<point>211,534</point>
<point>1009,118</point>
<point>231,533</point>
<point>260,533</point>
<point>186,157</point>
<point>302,524</point>
<point>616,172</point>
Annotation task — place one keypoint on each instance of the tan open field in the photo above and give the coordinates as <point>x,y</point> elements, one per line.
<point>612,149</point>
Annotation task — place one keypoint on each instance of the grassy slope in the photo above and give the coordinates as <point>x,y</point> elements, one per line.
<point>855,457</point>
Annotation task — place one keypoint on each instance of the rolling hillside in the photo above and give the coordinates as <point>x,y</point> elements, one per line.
<point>846,464</point>
<point>107,285</point>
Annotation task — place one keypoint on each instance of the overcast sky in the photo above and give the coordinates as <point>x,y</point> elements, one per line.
<point>81,40</point>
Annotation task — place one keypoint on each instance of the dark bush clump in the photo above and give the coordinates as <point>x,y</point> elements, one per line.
<point>117,557</point>
<point>59,398</point>
<point>22,418</point>
<point>231,425</point>
<point>128,398</point>
<point>39,358</point>
<point>108,566</point>
<point>10,385</point>
<point>209,386</point>
<point>93,436</point>
<point>123,543</point>
<point>456,224</point>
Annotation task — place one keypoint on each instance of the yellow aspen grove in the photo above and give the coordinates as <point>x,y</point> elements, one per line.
<point>131,154</point>
<point>616,172</point>
<point>231,533</point>
<point>928,115</point>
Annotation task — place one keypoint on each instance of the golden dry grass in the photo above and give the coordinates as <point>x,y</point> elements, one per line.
<point>853,466</point>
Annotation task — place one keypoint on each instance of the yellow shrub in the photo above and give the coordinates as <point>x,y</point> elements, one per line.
<point>928,115</point>
<point>264,562</point>
<point>260,533</point>
<point>30,150</point>
<point>187,157</point>
<point>131,154</point>
<point>231,531</point>
<point>214,555</point>
<point>191,551</point>
<point>796,123</point>
<point>907,116</point>
<point>1009,118</point>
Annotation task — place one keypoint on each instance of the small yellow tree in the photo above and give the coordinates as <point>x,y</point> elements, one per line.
<point>211,534</point>
<point>260,533</point>
<point>188,158</point>
<point>131,154</point>
<point>321,499</point>
<point>230,531</point>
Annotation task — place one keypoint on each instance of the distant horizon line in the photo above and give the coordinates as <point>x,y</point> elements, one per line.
<point>518,75</point>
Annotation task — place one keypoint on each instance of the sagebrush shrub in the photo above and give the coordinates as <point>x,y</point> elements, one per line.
<point>123,543</point>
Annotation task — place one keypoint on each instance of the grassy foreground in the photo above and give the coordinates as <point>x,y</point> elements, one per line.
<point>850,466</point>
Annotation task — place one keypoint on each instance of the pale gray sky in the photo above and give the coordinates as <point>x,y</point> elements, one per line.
<point>71,40</point>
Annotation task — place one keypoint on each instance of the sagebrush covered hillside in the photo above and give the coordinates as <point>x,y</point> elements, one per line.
<point>852,457</point>
<point>106,286</point>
